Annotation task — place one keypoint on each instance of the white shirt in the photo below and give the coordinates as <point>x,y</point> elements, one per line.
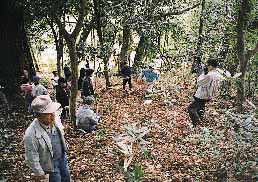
<point>208,85</point>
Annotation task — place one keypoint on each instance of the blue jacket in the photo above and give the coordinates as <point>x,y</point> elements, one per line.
<point>149,75</point>
<point>126,71</point>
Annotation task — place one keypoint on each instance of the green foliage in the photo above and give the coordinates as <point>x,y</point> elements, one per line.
<point>136,174</point>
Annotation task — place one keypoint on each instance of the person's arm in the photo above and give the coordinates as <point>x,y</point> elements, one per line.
<point>32,156</point>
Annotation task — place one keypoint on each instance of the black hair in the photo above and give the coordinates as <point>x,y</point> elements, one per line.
<point>61,80</point>
<point>212,62</point>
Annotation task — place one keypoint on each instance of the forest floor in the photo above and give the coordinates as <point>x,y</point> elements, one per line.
<point>224,148</point>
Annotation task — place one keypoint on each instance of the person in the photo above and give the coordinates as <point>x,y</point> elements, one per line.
<point>207,88</point>
<point>150,76</point>
<point>82,75</point>
<point>126,75</point>
<point>37,88</point>
<point>87,86</point>
<point>54,79</point>
<point>86,118</point>
<point>44,142</point>
<point>25,77</point>
<point>62,95</point>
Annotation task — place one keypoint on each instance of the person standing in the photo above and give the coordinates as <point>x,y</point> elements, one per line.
<point>126,72</point>
<point>207,88</point>
<point>37,88</point>
<point>62,95</point>
<point>45,146</point>
<point>87,86</point>
<point>54,79</point>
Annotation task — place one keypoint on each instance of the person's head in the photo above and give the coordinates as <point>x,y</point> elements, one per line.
<point>25,73</point>
<point>89,72</point>
<point>82,72</point>
<point>36,80</point>
<point>151,67</point>
<point>61,81</point>
<point>45,109</point>
<point>89,100</point>
<point>54,73</point>
<point>212,64</point>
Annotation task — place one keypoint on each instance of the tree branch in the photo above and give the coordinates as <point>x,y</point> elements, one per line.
<point>79,24</point>
<point>61,27</point>
<point>179,12</point>
<point>50,23</point>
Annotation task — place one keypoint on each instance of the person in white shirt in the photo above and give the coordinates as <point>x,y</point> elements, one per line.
<point>207,88</point>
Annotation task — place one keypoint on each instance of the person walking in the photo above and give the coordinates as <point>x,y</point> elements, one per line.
<point>207,88</point>
<point>126,72</point>
<point>45,146</point>
<point>150,76</point>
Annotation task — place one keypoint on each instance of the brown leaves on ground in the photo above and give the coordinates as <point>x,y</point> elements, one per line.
<point>177,152</point>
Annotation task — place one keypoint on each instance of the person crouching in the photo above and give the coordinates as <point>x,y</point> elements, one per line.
<point>86,118</point>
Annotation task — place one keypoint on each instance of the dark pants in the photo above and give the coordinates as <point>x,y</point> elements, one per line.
<point>61,171</point>
<point>125,80</point>
<point>196,110</point>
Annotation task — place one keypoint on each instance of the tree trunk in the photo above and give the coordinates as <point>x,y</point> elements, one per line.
<point>101,40</point>
<point>74,71</point>
<point>200,38</point>
<point>138,61</point>
<point>241,25</point>
<point>125,46</point>
<point>14,45</point>
<point>60,53</point>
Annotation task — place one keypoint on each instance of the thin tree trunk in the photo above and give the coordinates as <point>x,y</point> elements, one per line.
<point>101,40</point>
<point>74,77</point>
<point>241,24</point>
<point>200,38</point>
<point>138,61</point>
<point>125,46</point>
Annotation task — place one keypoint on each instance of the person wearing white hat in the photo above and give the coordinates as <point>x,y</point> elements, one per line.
<point>150,76</point>
<point>45,146</point>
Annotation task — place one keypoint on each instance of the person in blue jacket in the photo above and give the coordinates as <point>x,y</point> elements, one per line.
<point>126,75</point>
<point>150,76</point>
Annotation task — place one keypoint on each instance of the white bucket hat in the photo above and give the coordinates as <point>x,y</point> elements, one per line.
<point>44,104</point>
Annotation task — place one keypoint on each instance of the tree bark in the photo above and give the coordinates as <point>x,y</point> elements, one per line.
<point>101,40</point>
<point>241,24</point>
<point>200,38</point>
<point>125,46</point>
<point>138,61</point>
<point>58,39</point>
<point>14,45</point>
